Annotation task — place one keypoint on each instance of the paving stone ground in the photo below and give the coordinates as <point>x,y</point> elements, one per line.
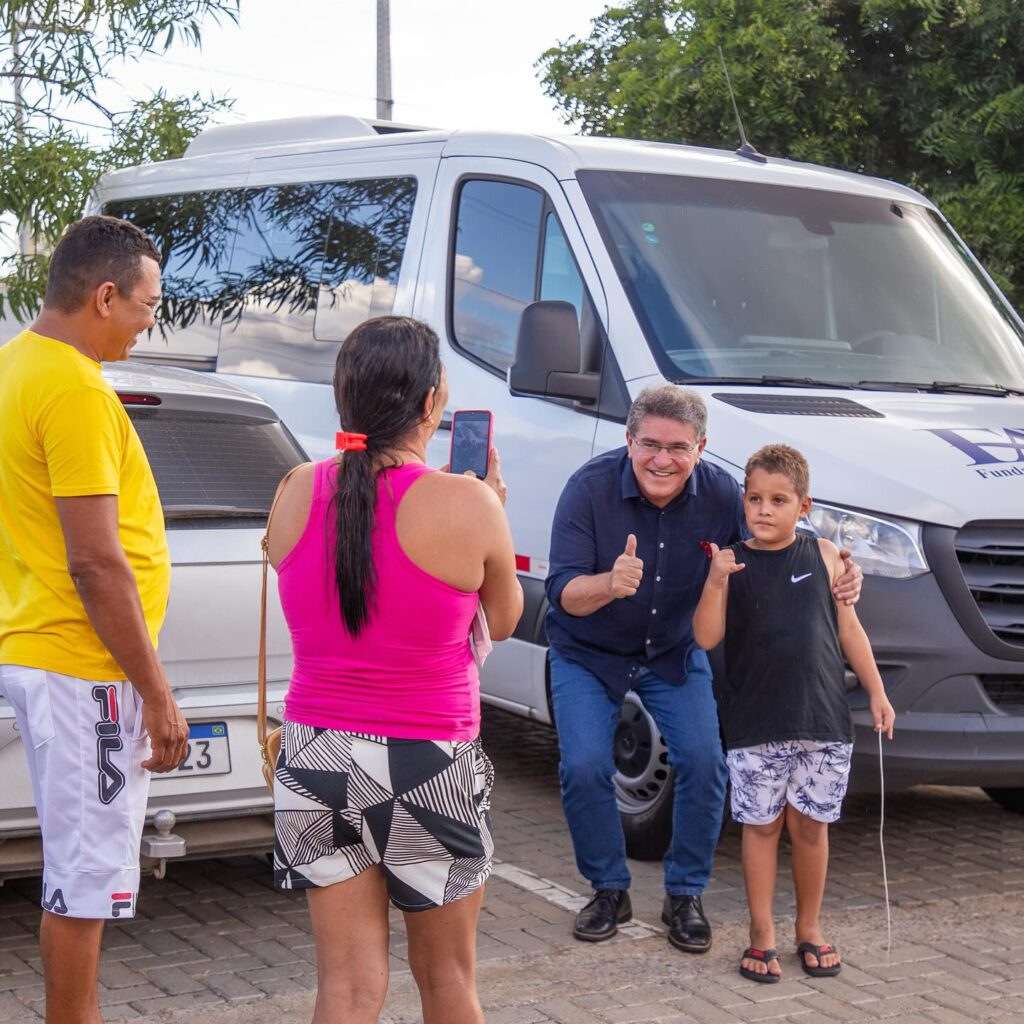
<point>214,940</point>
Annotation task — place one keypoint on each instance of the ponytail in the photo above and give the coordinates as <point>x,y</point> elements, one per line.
<point>384,372</point>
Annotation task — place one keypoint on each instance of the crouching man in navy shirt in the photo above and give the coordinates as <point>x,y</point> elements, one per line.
<point>627,570</point>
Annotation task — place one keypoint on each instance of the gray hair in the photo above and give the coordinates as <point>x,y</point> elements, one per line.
<point>669,402</point>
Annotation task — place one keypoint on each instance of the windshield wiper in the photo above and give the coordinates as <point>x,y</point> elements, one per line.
<point>939,387</point>
<point>769,381</point>
<point>213,512</point>
<point>973,389</point>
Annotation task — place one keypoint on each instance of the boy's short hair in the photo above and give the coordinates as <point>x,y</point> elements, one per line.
<point>93,250</point>
<point>780,458</point>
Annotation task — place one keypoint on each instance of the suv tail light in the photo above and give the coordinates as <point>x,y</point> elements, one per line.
<point>138,399</point>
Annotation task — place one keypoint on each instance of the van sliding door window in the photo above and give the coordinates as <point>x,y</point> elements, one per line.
<point>310,262</point>
<point>509,251</point>
<point>195,233</point>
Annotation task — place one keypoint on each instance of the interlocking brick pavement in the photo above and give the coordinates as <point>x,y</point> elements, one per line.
<point>214,939</point>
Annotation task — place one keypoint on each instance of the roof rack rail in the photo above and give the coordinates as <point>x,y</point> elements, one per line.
<point>288,130</point>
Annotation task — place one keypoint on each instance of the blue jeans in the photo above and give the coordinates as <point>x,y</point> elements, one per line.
<point>586,715</point>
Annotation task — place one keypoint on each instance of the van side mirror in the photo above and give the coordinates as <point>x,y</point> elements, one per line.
<point>548,354</point>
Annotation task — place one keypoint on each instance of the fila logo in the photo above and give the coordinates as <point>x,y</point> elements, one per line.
<point>55,904</point>
<point>985,446</point>
<point>108,742</point>
<point>120,901</point>
<point>797,579</point>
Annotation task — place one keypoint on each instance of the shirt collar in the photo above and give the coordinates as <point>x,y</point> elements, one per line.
<point>631,489</point>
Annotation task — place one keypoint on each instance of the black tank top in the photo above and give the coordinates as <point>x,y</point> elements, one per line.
<point>784,667</point>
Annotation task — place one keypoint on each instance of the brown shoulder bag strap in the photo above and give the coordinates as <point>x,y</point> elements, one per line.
<point>261,665</point>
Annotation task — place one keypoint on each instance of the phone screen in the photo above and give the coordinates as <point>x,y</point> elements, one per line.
<point>471,441</point>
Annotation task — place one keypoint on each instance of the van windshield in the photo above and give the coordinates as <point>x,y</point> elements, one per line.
<point>735,280</point>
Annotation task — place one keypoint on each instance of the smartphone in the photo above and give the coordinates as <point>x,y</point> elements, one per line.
<point>472,432</point>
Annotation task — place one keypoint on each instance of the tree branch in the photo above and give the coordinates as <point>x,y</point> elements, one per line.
<point>80,93</point>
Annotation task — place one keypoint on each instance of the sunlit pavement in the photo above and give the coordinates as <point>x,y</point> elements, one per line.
<point>214,938</point>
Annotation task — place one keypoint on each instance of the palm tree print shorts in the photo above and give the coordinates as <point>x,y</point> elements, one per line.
<point>810,774</point>
<point>346,801</point>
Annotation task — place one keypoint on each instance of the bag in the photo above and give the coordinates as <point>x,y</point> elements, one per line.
<point>270,742</point>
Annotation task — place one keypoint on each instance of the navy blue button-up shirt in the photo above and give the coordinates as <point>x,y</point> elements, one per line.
<point>599,507</point>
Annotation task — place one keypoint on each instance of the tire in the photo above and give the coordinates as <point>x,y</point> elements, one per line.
<point>1012,799</point>
<point>643,782</point>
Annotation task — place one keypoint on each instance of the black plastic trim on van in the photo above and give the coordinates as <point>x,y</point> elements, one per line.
<point>939,544</point>
<point>530,627</point>
<point>797,405</point>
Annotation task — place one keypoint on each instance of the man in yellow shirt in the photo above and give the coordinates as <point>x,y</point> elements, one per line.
<point>84,579</point>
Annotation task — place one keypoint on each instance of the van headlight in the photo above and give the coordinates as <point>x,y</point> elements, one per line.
<point>881,547</point>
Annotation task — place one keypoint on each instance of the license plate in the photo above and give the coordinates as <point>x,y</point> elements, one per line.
<point>208,752</point>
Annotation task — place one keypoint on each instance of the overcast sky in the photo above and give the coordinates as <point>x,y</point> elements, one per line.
<point>455,63</point>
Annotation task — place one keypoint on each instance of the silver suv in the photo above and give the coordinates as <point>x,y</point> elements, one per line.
<point>217,453</point>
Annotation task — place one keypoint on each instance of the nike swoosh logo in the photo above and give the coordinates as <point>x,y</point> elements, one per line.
<point>797,579</point>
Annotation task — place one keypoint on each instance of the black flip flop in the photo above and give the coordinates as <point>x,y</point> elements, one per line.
<point>817,952</point>
<point>767,955</point>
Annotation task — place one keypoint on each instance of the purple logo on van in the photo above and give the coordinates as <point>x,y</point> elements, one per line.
<point>988,447</point>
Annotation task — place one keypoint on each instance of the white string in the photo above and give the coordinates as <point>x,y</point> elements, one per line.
<point>881,847</point>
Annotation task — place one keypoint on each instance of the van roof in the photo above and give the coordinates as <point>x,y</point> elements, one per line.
<point>229,151</point>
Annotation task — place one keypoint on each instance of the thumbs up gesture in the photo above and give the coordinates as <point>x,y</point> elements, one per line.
<point>627,572</point>
<point>723,565</point>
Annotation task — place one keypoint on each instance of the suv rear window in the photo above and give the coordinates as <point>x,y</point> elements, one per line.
<point>214,467</point>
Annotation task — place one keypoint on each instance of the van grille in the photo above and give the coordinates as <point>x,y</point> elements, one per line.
<point>1006,692</point>
<point>991,557</point>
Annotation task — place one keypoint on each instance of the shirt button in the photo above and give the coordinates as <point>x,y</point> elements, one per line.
<point>654,611</point>
<point>662,544</point>
<point>647,641</point>
<point>657,579</point>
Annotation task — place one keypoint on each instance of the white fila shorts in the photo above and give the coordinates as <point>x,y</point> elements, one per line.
<point>85,742</point>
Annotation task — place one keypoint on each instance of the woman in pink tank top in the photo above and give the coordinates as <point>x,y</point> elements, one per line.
<point>382,789</point>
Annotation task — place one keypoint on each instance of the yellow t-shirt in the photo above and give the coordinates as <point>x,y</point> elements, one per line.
<point>64,433</point>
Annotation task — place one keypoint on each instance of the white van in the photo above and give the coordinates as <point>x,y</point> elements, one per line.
<point>831,311</point>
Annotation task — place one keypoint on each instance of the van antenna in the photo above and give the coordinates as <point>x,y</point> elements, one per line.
<point>746,149</point>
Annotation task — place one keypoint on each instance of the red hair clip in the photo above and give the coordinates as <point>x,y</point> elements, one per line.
<point>346,442</point>
<point>706,545</point>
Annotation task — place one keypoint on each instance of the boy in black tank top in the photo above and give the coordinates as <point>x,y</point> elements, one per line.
<point>784,711</point>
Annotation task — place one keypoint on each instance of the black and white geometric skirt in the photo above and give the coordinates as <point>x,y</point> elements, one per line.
<point>344,801</point>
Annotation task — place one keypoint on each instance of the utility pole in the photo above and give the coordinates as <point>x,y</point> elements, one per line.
<point>385,104</point>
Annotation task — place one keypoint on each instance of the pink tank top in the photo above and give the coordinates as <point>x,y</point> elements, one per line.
<point>410,673</point>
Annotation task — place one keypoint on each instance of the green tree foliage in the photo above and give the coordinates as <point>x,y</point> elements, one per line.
<point>54,56</point>
<point>927,92</point>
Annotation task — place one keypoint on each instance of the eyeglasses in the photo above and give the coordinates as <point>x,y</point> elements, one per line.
<point>153,305</point>
<point>675,451</point>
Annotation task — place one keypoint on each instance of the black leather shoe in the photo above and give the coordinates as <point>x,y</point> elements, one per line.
<point>601,917</point>
<point>688,928</point>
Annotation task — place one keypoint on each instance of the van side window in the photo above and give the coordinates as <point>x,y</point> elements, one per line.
<point>559,278</point>
<point>510,251</point>
<point>195,233</point>
<point>363,254</point>
<point>253,278</point>
<point>494,272</point>
<point>311,261</point>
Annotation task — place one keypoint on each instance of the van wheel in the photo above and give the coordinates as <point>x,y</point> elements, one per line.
<point>1012,799</point>
<point>643,782</point>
